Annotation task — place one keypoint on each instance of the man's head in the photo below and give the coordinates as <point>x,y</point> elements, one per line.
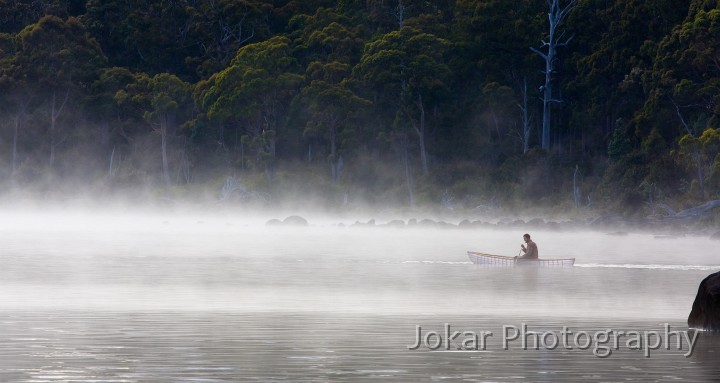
<point>526,237</point>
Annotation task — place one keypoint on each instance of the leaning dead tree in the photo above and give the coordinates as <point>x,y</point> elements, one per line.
<point>556,14</point>
<point>690,213</point>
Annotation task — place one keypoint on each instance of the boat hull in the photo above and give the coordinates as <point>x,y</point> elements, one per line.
<point>503,261</point>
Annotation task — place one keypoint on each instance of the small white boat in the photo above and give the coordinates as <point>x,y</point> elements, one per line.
<point>503,261</point>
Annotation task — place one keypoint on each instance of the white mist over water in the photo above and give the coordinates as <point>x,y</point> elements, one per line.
<point>201,262</point>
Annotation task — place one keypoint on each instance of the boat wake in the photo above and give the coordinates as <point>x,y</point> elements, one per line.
<point>593,265</point>
<point>648,266</point>
<point>440,262</point>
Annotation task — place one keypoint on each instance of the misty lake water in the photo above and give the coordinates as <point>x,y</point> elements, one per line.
<point>177,299</point>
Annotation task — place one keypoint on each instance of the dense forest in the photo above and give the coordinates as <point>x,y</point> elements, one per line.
<point>563,104</point>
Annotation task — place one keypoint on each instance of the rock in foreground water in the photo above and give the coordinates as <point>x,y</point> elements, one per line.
<point>705,313</point>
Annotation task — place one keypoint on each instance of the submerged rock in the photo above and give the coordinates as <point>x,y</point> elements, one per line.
<point>370,223</point>
<point>295,220</point>
<point>618,233</point>
<point>396,223</point>
<point>273,222</point>
<point>445,225</point>
<point>705,313</point>
<point>427,223</point>
<point>465,224</point>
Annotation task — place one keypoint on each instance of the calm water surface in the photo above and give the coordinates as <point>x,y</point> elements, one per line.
<point>172,300</point>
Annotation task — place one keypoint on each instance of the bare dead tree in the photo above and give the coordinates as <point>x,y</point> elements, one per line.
<point>230,186</point>
<point>691,213</point>
<point>556,14</point>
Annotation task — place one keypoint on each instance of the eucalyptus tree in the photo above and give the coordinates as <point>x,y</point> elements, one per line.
<point>701,155</point>
<point>59,59</point>
<point>253,94</point>
<point>407,69</point>
<point>382,16</point>
<point>330,44</point>
<point>17,14</point>
<point>191,39</point>
<point>163,101</point>
<point>142,36</point>
<point>490,51</point>
<point>684,81</point>
<point>14,93</point>
<point>558,11</point>
<point>612,48</point>
<point>333,109</point>
<point>683,85</point>
<point>218,28</point>
<point>113,120</point>
<point>327,36</point>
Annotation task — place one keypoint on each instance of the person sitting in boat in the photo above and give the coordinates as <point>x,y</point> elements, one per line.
<point>531,251</point>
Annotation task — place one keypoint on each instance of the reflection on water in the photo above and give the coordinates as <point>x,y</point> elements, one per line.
<point>230,347</point>
<point>227,301</point>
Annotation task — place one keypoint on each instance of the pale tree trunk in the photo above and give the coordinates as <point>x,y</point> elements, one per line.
<point>269,124</point>
<point>242,155</point>
<point>496,123</point>
<point>700,173</point>
<point>52,131</point>
<point>333,152</point>
<point>183,172</point>
<point>400,14</point>
<point>525,113</point>
<point>271,167</point>
<point>547,95</point>
<point>110,168</point>
<point>23,100</point>
<point>408,173</point>
<point>162,130</point>
<point>163,138</point>
<point>55,112</point>
<point>420,130</point>
<point>16,129</point>
<point>335,159</point>
<point>576,188</point>
<point>556,15</point>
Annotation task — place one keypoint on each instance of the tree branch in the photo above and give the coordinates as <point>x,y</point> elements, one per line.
<point>567,9</point>
<point>682,119</point>
<point>59,111</point>
<point>566,42</point>
<point>543,55</point>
